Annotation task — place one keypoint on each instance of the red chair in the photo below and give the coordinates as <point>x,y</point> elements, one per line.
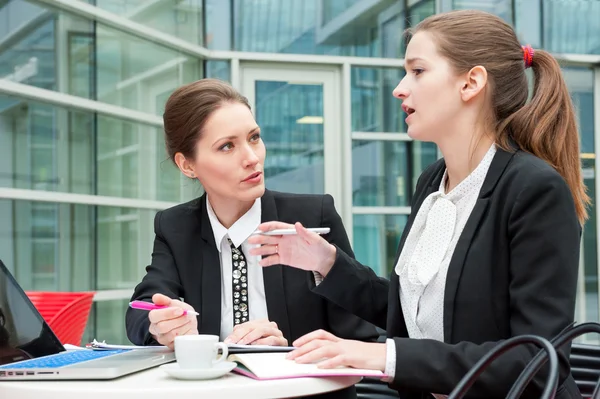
<point>65,312</point>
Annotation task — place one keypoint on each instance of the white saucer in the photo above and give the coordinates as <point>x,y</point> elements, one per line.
<point>218,370</point>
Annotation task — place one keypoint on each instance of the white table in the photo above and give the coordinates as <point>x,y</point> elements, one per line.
<point>156,384</point>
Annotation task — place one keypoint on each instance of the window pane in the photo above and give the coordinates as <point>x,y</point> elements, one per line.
<point>380,174</point>
<point>421,10</point>
<point>571,26</point>
<point>124,236</point>
<point>58,51</point>
<point>336,27</point>
<point>28,36</point>
<point>581,85</point>
<point>330,9</point>
<point>528,22</point>
<point>291,119</point>
<point>423,155</point>
<point>374,108</point>
<point>84,153</point>
<point>384,173</point>
<point>376,239</point>
<point>134,73</point>
<point>589,253</point>
<point>107,322</point>
<point>68,247</point>
<point>182,19</point>
<point>502,8</point>
<point>218,70</point>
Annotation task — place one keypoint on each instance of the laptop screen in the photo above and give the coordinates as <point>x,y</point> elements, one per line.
<point>23,332</point>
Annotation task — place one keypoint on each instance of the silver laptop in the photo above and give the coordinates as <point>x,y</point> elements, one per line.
<point>29,350</point>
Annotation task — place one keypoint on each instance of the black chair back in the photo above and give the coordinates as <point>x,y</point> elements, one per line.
<point>551,381</point>
<point>585,367</point>
<point>566,336</point>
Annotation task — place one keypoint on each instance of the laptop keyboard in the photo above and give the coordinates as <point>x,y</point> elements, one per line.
<point>61,359</point>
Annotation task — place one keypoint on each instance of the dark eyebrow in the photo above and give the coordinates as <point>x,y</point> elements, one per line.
<point>254,130</point>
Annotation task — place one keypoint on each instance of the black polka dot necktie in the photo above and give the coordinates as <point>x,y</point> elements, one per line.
<point>240,285</point>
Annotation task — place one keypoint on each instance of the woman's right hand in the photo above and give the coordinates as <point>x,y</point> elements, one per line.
<point>168,323</point>
<point>306,250</point>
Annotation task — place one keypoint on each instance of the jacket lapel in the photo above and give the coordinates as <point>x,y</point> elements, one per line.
<point>210,314</point>
<point>499,163</point>
<point>273,275</point>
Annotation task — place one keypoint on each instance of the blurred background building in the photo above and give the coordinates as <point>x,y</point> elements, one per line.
<point>83,84</point>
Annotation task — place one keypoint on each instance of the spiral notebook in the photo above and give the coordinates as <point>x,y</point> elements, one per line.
<point>273,366</point>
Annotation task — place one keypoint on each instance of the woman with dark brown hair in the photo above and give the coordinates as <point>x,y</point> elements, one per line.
<point>491,249</point>
<point>201,258</point>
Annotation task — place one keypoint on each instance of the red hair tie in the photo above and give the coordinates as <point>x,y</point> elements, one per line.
<point>528,55</point>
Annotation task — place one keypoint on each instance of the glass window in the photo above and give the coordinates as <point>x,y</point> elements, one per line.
<point>571,26</point>
<point>182,18</point>
<point>581,85</point>
<point>134,73</point>
<point>218,70</point>
<point>107,322</point>
<point>29,41</point>
<point>421,10</point>
<point>304,27</point>
<point>501,8</point>
<point>391,42</point>
<point>84,153</point>
<point>376,239</point>
<point>423,155</point>
<point>72,247</point>
<point>380,173</point>
<point>385,173</point>
<point>332,8</point>
<point>528,22</point>
<point>374,108</point>
<point>97,62</point>
<point>124,246</point>
<point>290,116</point>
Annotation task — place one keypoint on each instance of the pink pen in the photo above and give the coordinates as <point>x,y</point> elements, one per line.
<point>143,305</point>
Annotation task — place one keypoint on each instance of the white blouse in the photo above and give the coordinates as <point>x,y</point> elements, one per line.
<point>423,264</point>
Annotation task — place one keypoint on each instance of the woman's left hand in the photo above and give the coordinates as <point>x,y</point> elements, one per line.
<point>321,344</point>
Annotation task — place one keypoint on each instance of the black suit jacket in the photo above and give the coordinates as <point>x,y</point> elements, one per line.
<point>186,264</point>
<point>513,271</point>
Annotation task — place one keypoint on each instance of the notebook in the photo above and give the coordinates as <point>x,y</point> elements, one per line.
<point>29,350</point>
<point>274,366</point>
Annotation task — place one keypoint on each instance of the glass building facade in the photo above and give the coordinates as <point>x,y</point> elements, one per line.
<point>83,84</point>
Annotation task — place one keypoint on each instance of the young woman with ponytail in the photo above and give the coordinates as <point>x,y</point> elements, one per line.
<point>491,249</point>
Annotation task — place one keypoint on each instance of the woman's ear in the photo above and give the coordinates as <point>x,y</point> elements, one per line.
<point>475,82</point>
<point>186,167</point>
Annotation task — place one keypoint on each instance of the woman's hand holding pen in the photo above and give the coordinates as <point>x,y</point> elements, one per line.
<point>257,332</point>
<point>166,324</point>
<point>318,345</point>
<point>305,250</point>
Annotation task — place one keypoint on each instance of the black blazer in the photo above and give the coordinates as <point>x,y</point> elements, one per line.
<point>185,264</point>
<point>513,272</point>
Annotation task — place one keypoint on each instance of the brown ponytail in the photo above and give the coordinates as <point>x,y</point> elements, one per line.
<point>547,128</point>
<point>546,125</point>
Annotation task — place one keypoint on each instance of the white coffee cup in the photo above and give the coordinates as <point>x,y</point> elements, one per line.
<point>199,351</point>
